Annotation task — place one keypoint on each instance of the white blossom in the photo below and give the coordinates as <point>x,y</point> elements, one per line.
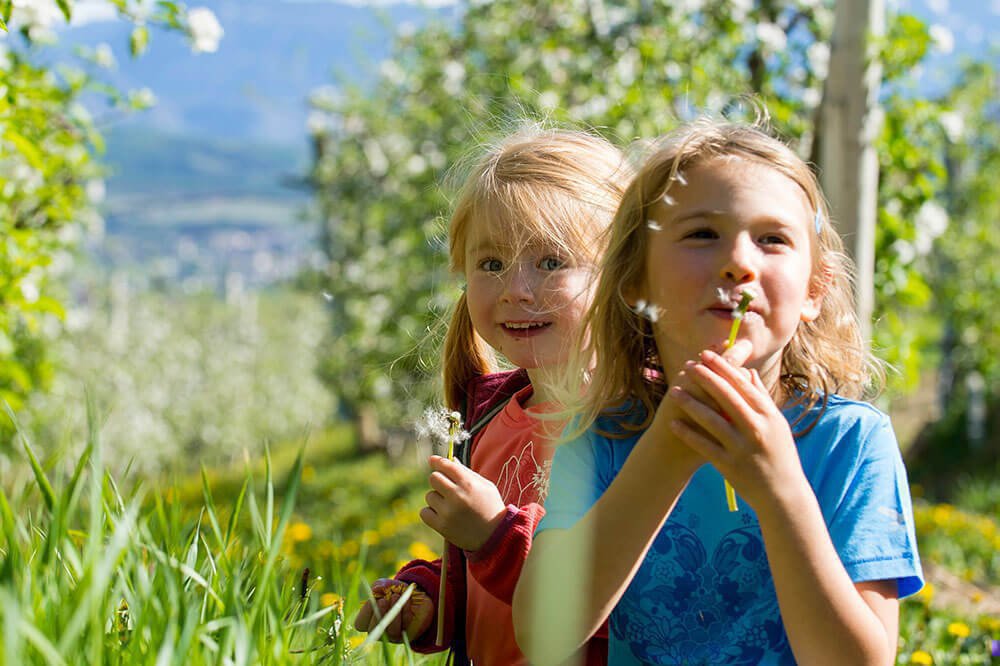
<point>740,9</point>
<point>818,55</point>
<point>673,71</point>
<point>811,97</point>
<point>392,72</point>
<point>904,251</point>
<point>944,40</point>
<point>204,30</point>
<point>771,36</point>
<point>35,14</point>
<point>953,125</point>
<point>932,218</point>
<point>104,56</point>
<point>548,100</point>
<point>454,77</point>
<point>95,190</point>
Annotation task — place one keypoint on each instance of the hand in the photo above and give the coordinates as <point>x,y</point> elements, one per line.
<point>669,410</point>
<point>740,429</point>
<point>415,617</point>
<point>462,506</point>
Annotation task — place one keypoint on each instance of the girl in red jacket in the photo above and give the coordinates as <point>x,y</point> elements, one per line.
<point>526,235</point>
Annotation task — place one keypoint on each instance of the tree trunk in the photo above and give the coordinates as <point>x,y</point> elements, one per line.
<point>849,122</point>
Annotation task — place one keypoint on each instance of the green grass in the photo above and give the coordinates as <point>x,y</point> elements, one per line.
<point>267,563</point>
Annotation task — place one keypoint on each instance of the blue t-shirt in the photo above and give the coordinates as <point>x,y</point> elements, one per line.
<point>704,592</point>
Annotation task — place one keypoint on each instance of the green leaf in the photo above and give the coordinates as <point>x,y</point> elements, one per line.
<point>48,494</point>
<point>26,148</point>
<point>66,10</point>
<point>139,40</point>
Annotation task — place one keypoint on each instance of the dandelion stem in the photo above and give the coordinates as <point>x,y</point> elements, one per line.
<point>741,310</point>
<point>454,431</point>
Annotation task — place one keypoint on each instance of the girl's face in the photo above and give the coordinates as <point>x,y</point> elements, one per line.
<point>737,224</point>
<point>526,301</point>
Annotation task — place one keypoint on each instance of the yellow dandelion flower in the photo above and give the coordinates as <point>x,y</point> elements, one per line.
<point>349,549</point>
<point>942,514</point>
<point>299,532</point>
<point>325,548</point>
<point>355,641</point>
<point>308,473</point>
<point>977,597</point>
<point>926,593</point>
<point>370,538</point>
<point>421,551</point>
<point>921,657</point>
<point>330,599</point>
<point>959,629</point>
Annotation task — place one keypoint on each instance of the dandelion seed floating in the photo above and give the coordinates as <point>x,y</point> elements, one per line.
<point>679,177</point>
<point>669,200</point>
<point>650,311</point>
<point>654,225</point>
<point>745,297</point>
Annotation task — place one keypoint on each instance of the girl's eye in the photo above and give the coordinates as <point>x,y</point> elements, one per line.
<point>773,239</point>
<point>551,263</point>
<point>491,265</point>
<point>701,234</point>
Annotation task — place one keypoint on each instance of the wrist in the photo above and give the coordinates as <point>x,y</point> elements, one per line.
<point>786,501</point>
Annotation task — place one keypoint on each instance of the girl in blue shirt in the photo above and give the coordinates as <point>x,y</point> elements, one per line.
<point>811,566</point>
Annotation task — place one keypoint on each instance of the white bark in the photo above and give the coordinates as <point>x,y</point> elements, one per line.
<point>850,121</point>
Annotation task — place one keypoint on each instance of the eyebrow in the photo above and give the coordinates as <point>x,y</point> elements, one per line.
<point>709,213</point>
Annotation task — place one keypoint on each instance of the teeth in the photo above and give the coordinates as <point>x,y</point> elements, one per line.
<point>524,324</point>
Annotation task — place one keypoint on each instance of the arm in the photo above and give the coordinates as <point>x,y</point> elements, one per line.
<point>828,618</point>
<point>497,564</point>
<point>574,577</point>
<point>571,580</point>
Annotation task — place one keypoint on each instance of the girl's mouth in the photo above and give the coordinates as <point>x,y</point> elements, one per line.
<point>525,329</point>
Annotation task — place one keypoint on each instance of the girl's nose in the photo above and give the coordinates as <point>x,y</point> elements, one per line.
<point>738,266</point>
<point>518,285</point>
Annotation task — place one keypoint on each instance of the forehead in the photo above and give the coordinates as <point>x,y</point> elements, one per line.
<point>733,185</point>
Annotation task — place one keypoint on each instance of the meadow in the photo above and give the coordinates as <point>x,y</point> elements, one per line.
<point>267,561</point>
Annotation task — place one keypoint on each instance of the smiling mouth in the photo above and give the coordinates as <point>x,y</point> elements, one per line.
<point>525,325</point>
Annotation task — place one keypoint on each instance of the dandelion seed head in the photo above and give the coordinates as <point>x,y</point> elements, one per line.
<point>441,425</point>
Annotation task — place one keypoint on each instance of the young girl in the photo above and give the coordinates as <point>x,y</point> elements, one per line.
<point>526,234</point>
<point>810,567</point>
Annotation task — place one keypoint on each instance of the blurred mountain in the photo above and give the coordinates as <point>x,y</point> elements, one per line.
<point>254,88</point>
<point>206,185</point>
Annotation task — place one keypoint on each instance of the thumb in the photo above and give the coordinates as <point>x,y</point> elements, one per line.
<point>739,353</point>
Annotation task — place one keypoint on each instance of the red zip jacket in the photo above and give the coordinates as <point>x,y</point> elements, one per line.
<point>497,565</point>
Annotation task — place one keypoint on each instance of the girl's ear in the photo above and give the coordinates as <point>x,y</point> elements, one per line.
<point>818,285</point>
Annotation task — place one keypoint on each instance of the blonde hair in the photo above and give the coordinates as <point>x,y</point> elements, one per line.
<point>562,186</point>
<point>824,356</point>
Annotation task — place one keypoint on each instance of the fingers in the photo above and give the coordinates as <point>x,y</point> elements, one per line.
<point>739,353</point>
<point>712,422</point>
<point>363,620</point>
<point>737,378</point>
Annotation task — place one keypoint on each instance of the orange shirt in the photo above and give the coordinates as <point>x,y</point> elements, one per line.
<point>514,454</point>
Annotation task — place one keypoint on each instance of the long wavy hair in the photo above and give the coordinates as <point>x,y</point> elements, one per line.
<point>826,355</point>
<point>559,185</point>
